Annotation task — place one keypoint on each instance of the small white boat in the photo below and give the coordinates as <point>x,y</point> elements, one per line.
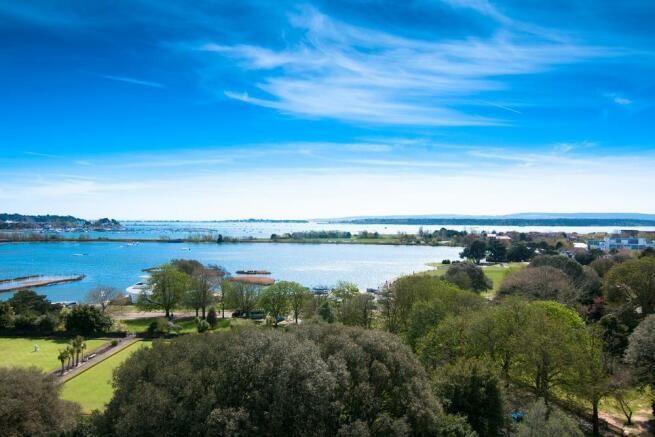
<point>136,290</point>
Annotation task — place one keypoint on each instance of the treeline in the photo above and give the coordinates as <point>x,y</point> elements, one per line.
<point>20,221</point>
<point>311,235</point>
<point>503,221</point>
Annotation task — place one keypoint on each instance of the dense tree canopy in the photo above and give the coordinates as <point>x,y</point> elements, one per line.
<point>539,283</point>
<point>87,320</point>
<point>641,351</point>
<point>30,405</point>
<point>312,380</point>
<point>169,285</point>
<point>468,276</point>
<point>633,281</point>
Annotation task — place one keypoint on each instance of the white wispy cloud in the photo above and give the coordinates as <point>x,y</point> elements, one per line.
<point>618,99</point>
<point>133,81</point>
<point>341,71</point>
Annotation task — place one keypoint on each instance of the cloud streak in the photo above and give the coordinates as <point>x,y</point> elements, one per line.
<point>341,71</point>
<point>133,81</point>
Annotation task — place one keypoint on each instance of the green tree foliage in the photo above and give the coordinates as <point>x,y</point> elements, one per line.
<point>468,276</point>
<point>241,297</point>
<point>603,264</point>
<point>539,283</point>
<point>357,310</point>
<point>497,251</point>
<point>27,302</point>
<point>570,267</point>
<point>30,404</point>
<point>399,297</point>
<point>470,388</point>
<point>7,316</point>
<point>519,252</point>
<point>169,285</point>
<point>344,290</point>
<point>641,352</point>
<point>537,344</point>
<point>475,251</point>
<point>298,297</point>
<point>254,382</point>
<point>633,282</point>
<point>276,300</point>
<point>87,320</point>
<point>427,313</point>
<point>325,312</point>
<point>544,421</point>
<point>204,281</point>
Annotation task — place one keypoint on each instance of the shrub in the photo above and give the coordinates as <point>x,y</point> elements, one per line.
<point>212,317</point>
<point>541,421</point>
<point>87,320</point>
<point>203,326</point>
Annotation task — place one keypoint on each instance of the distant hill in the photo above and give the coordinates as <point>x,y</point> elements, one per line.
<point>521,219</point>
<point>20,221</point>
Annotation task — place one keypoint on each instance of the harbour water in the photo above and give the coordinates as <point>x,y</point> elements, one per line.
<point>121,265</point>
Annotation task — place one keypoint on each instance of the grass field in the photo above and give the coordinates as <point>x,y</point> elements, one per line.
<point>187,326</point>
<point>496,273</point>
<point>92,389</point>
<point>19,352</point>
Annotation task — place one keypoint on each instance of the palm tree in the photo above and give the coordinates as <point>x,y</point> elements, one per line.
<point>83,349</point>
<point>71,354</point>
<point>76,343</point>
<point>63,356</point>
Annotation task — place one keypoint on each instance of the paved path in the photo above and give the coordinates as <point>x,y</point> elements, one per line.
<point>72,373</point>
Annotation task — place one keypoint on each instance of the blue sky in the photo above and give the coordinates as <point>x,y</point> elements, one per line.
<point>213,110</point>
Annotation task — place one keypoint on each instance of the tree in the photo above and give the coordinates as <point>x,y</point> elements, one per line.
<point>633,281</point>
<point>102,296</point>
<point>497,251</point>
<point>593,381</point>
<point>344,290</point>
<point>62,357</point>
<point>470,388</point>
<point>87,320</point>
<point>242,297</point>
<point>169,286</point>
<point>641,353</point>
<point>275,300</point>
<point>475,251</point>
<point>544,421</point>
<point>297,295</point>
<point>275,382</point>
<point>398,298</point>
<point>468,276</point>
<point>539,283</point>
<point>325,311</point>
<point>602,265</point>
<point>7,316</point>
<point>519,252</point>
<point>203,282</point>
<point>30,404</point>
<point>427,313</point>
<point>570,267</point>
<point>27,302</point>
<point>357,310</point>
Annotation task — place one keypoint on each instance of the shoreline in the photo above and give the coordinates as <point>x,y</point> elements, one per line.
<point>388,241</point>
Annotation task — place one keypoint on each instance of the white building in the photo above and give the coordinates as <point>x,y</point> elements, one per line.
<point>617,242</point>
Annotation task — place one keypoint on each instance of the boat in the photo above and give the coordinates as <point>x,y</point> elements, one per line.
<point>136,290</point>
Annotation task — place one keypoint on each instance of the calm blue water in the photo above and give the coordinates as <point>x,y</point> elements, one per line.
<point>120,265</point>
<point>173,230</point>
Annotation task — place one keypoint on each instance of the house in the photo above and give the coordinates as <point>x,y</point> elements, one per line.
<point>621,242</point>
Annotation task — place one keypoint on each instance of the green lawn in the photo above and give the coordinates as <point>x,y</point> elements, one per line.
<point>19,352</point>
<point>92,389</point>
<point>187,326</point>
